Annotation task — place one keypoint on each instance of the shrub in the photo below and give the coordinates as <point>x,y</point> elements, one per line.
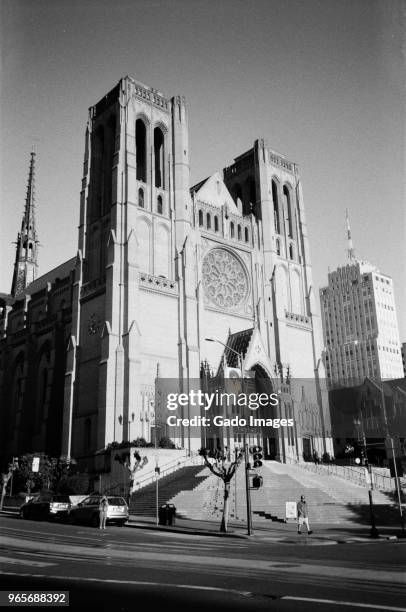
<point>166,442</point>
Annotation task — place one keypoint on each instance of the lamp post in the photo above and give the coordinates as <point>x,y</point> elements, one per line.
<point>358,422</point>
<point>246,463</point>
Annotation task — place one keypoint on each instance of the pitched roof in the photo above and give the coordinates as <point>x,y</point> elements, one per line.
<point>238,342</point>
<point>61,271</point>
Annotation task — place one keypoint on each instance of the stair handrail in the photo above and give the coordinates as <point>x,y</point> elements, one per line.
<point>353,473</point>
<point>167,469</point>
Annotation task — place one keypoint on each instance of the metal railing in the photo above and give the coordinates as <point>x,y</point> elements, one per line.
<point>167,469</point>
<point>354,474</point>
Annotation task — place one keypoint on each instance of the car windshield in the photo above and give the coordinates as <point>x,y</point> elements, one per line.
<point>116,501</point>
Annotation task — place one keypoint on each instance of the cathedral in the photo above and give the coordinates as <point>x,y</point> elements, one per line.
<point>169,281</point>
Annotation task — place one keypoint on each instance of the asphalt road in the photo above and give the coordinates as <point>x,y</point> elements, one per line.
<point>125,568</point>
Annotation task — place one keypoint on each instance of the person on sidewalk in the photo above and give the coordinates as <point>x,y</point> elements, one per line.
<point>302,515</point>
<point>103,512</point>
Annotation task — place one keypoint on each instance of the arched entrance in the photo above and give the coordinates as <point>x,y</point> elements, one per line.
<point>265,436</point>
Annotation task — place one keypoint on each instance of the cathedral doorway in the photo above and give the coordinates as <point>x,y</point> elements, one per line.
<point>267,437</point>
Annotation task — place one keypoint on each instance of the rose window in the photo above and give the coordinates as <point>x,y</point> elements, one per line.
<point>224,279</point>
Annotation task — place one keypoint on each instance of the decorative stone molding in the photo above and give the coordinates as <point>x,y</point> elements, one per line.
<point>159,284</point>
<point>298,318</point>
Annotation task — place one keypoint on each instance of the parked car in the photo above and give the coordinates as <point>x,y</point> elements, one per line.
<point>87,511</point>
<point>46,507</point>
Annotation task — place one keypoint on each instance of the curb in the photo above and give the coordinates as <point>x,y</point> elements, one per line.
<point>279,539</point>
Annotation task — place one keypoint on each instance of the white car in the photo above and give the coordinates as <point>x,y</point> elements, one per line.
<point>87,511</point>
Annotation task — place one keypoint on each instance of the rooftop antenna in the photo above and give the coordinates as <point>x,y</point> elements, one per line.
<point>350,248</point>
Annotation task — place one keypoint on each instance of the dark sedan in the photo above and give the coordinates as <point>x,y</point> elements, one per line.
<point>46,507</point>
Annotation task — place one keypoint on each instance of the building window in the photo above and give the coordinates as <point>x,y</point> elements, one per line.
<point>216,223</point>
<point>208,221</point>
<point>275,207</point>
<point>200,218</point>
<point>141,198</point>
<point>159,157</point>
<point>291,252</point>
<point>239,232</point>
<point>238,196</point>
<point>232,229</point>
<point>246,234</point>
<point>159,205</point>
<point>141,150</point>
<point>289,211</point>
<point>278,247</point>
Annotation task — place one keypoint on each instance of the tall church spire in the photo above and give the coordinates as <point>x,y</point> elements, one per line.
<point>25,266</point>
<point>350,248</point>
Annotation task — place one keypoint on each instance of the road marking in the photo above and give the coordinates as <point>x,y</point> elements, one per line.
<point>9,561</point>
<point>234,563</point>
<point>164,585</point>
<point>345,603</point>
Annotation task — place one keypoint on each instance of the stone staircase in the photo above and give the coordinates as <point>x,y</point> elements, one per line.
<point>185,479</point>
<point>331,499</point>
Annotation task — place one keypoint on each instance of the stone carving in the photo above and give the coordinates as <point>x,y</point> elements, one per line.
<point>225,280</point>
<point>94,324</point>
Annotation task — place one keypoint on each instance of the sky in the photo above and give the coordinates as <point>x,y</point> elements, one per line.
<point>322,81</point>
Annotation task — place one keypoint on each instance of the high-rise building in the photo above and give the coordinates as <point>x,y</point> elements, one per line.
<point>360,328</point>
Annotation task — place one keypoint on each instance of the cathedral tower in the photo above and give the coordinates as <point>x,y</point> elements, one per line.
<point>26,264</point>
<point>134,219</point>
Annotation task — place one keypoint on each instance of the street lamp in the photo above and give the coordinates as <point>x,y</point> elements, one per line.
<point>358,422</point>
<point>247,465</point>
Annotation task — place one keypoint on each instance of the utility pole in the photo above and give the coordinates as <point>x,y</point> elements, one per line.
<point>247,487</point>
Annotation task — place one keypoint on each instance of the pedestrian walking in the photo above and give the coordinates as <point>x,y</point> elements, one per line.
<point>302,515</point>
<point>103,512</point>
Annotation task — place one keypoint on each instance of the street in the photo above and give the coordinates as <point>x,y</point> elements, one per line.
<point>121,568</point>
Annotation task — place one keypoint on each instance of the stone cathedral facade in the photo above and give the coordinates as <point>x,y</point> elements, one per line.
<point>160,267</point>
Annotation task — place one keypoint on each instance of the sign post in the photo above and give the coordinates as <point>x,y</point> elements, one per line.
<point>291,511</point>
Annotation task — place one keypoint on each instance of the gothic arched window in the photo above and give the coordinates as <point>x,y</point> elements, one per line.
<point>159,205</point>
<point>232,229</point>
<point>278,246</point>
<point>246,234</point>
<point>141,150</point>
<point>200,218</point>
<point>288,211</point>
<point>238,196</point>
<point>275,207</point>
<point>208,221</point>
<point>216,223</point>
<point>110,145</point>
<point>141,198</point>
<point>239,232</point>
<point>159,157</point>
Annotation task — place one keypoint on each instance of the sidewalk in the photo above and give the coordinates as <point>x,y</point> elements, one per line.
<point>282,533</point>
<point>274,532</point>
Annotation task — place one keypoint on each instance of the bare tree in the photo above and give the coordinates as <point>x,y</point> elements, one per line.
<point>225,469</point>
<point>5,477</point>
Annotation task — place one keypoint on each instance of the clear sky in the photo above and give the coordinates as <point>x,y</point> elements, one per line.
<point>321,80</point>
